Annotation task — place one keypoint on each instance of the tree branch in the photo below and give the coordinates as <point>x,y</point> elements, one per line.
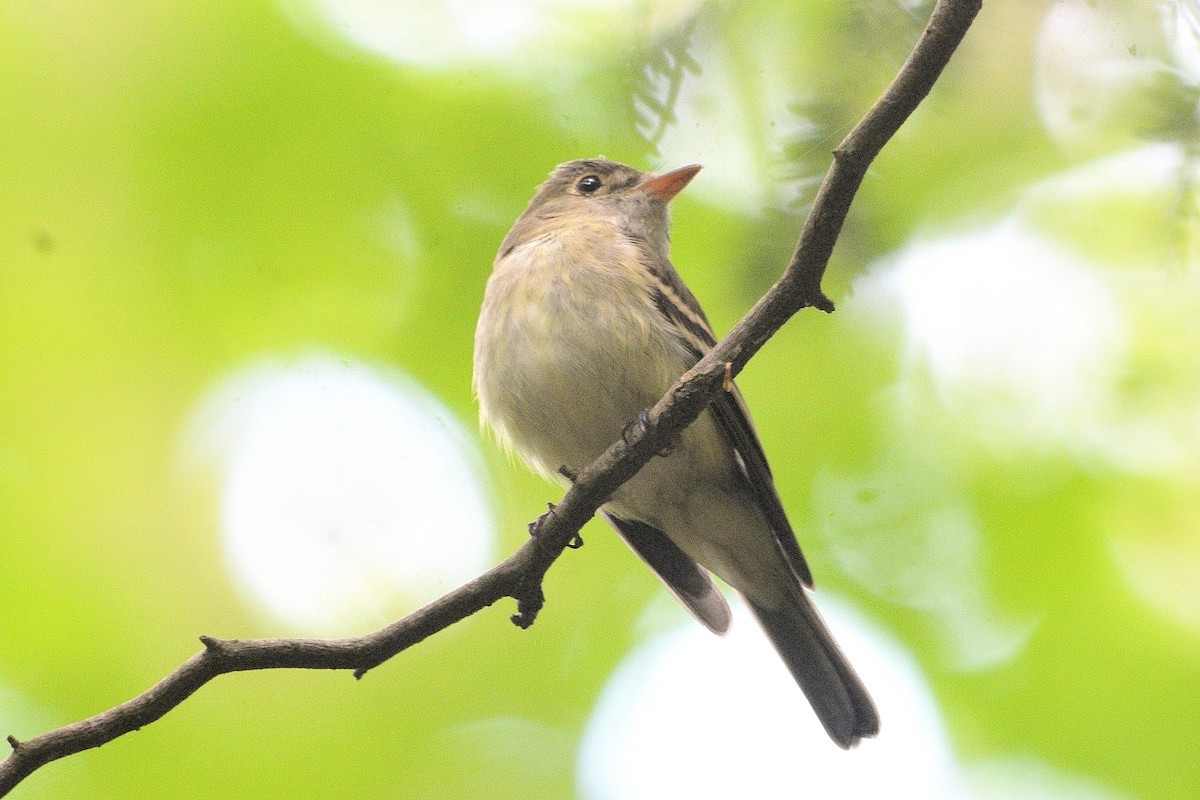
<point>520,576</point>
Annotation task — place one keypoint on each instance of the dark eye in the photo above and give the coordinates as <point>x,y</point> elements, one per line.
<point>588,184</point>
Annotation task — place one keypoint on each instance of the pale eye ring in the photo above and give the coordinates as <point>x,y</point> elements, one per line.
<point>588,184</point>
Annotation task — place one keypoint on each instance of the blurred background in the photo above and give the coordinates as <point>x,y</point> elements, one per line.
<point>242,247</point>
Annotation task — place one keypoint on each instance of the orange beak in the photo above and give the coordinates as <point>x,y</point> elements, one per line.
<point>666,186</point>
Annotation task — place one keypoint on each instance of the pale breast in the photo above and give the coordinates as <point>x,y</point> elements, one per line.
<point>578,349</point>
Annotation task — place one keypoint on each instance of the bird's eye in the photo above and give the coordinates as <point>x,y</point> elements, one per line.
<point>588,184</point>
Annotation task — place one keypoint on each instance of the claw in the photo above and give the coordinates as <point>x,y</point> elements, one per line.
<point>642,421</point>
<point>535,527</point>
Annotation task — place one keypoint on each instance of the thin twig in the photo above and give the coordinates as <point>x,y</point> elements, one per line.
<point>520,576</point>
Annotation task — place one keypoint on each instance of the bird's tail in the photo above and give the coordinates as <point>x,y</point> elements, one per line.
<point>825,676</point>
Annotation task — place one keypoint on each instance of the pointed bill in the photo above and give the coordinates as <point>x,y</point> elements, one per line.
<point>666,186</point>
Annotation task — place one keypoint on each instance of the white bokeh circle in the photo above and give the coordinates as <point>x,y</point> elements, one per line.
<point>693,715</point>
<point>514,36</point>
<point>1022,337</point>
<point>689,714</point>
<point>347,493</point>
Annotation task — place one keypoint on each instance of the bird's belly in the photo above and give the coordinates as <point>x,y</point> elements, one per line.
<point>575,378</point>
<point>560,380</point>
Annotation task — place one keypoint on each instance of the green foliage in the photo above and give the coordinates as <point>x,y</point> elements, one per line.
<point>190,188</point>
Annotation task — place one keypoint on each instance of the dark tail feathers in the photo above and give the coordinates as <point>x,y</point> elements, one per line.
<point>825,676</point>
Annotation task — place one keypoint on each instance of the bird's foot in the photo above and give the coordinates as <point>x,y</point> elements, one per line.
<point>638,426</point>
<point>535,527</point>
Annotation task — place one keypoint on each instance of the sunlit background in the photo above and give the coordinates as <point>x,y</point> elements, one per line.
<point>242,246</point>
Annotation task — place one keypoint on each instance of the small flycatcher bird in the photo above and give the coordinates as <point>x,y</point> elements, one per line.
<point>585,324</point>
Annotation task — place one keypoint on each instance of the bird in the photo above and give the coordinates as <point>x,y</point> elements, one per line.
<point>585,324</point>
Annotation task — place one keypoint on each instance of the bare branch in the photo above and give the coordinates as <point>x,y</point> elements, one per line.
<point>520,576</point>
